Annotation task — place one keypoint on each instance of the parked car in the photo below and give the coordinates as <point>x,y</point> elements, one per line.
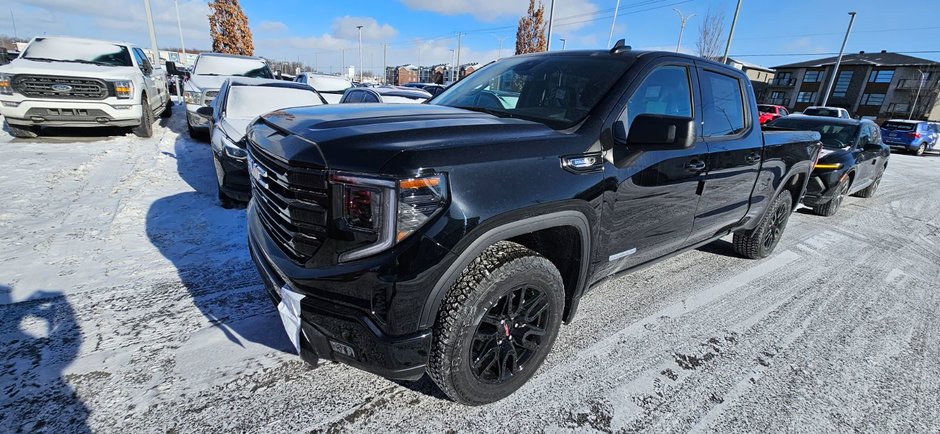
<point>207,76</point>
<point>419,242</point>
<point>433,89</point>
<point>833,112</point>
<point>913,136</point>
<point>385,94</point>
<point>70,82</point>
<point>852,161</point>
<point>770,112</point>
<point>416,85</point>
<point>330,87</point>
<point>240,101</point>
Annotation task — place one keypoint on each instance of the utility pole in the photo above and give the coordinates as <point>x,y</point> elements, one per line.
<point>316,62</point>
<point>499,53</point>
<point>564,42</point>
<point>179,25</point>
<point>916,96</point>
<point>835,69</point>
<point>153,35</point>
<point>385,63</point>
<point>458,56</point>
<point>684,19</point>
<point>613,22</point>
<point>734,22</point>
<point>360,52</point>
<point>12,18</point>
<point>343,68</point>
<point>551,18</point>
<point>452,70</point>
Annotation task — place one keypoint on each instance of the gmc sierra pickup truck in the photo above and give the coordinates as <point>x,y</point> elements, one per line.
<point>453,238</point>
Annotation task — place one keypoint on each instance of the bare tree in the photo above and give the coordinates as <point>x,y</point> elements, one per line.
<point>530,37</point>
<point>710,32</point>
<point>228,27</point>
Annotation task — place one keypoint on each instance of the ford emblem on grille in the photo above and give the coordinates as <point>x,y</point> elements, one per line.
<point>59,87</point>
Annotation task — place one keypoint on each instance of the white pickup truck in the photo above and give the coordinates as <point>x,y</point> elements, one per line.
<point>69,82</point>
<point>209,72</point>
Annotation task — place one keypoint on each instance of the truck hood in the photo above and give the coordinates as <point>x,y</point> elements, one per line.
<point>68,69</point>
<point>363,137</point>
<point>207,82</point>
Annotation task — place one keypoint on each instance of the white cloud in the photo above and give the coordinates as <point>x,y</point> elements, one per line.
<point>272,27</point>
<point>485,10</point>
<point>345,27</point>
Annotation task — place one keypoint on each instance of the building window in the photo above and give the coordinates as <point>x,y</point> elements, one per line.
<point>842,84</point>
<point>876,99</point>
<point>809,97</point>
<point>812,76</point>
<point>883,76</point>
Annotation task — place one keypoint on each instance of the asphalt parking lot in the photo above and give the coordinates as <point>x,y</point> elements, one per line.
<point>128,303</point>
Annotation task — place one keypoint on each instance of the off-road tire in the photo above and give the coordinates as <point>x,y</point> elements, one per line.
<point>830,208</point>
<point>168,110</point>
<point>498,271</point>
<point>754,243</point>
<point>869,191</point>
<point>22,132</point>
<point>145,129</point>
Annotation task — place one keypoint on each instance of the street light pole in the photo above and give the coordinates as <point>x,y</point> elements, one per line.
<point>179,25</point>
<point>564,43</point>
<point>153,35</point>
<point>917,95</point>
<point>835,70</point>
<point>360,52</point>
<point>551,19</point>
<point>343,67</point>
<point>452,61</point>
<point>684,19</point>
<point>613,22</point>
<point>734,21</point>
<point>458,56</point>
<point>499,53</point>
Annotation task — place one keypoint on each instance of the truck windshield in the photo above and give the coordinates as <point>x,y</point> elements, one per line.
<point>232,66</point>
<point>558,91</point>
<point>834,136</point>
<point>77,51</point>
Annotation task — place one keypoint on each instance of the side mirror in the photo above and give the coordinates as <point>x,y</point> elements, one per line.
<point>205,111</point>
<point>661,132</point>
<point>871,146</point>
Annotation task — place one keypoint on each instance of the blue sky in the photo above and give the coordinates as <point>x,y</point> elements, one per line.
<point>318,31</point>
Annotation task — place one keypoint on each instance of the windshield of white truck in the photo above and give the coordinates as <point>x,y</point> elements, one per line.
<point>232,66</point>
<point>77,51</point>
<point>558,91</point>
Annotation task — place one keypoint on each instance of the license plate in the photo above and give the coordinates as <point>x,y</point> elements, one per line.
<point>289,309</point>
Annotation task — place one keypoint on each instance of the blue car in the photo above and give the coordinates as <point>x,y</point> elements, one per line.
<point>912,136</point>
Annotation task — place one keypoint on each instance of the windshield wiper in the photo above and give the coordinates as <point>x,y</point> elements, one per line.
<point>489,111</point>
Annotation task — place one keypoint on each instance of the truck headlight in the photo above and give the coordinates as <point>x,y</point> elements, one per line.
<point>192,97</point>
<point>6,86</point>
<point>124,89</point>
<point>392,210</point>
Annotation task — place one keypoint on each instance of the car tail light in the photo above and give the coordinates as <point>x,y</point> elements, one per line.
<point>914,135</point>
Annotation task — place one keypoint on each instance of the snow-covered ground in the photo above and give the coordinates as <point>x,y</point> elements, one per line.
<point>128,303</point>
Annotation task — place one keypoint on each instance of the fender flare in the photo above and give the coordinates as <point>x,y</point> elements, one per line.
<point>503,232</point>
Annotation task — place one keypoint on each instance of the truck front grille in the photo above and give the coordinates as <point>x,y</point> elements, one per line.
<point>48,86</point>
<point>292,202</point>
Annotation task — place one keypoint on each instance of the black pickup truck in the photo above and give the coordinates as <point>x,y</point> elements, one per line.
<point>455,237</point>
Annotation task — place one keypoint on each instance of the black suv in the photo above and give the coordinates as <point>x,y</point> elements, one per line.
<point>455,237</point>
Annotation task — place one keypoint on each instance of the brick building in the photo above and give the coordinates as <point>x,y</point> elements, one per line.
<point>871,85</point>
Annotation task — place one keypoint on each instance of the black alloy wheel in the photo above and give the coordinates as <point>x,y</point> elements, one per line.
<point>509,335</point>
<point>778,221</point>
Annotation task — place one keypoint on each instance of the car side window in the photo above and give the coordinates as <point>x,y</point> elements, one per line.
<point>784,112</point>
<point>666,91</point>
<point>369,97</point>
<point>354,97</point>
<point>142,60</point>
<point>722,105</point>
<point>865,136</point>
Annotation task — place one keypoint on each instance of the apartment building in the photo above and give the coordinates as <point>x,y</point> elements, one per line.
<point>878,85</point>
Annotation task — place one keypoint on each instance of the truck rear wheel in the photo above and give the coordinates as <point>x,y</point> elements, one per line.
<point>496,324</point>
<point>145,129</point>
<point>761,241</point>
<point>29,132</point>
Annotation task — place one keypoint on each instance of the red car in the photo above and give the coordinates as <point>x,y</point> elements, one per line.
<point>770,112</point>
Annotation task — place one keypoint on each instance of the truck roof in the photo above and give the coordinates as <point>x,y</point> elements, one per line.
<point>629,55</point>
<point>235,56</point>
<point>70,38</point>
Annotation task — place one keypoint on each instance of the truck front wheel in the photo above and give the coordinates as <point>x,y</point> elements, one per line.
<point>145,129</point>
<point>761,241</point>
<point>496,324</point>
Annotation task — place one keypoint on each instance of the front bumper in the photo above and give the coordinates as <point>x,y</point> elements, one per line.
<point>821,187</point>
<point>70,113</point>
<point>332,329</point>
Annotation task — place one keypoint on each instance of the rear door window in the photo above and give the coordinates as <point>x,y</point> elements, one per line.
<point>722,105</point>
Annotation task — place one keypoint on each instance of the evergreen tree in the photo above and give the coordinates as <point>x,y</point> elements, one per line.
<point>228,27</point>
